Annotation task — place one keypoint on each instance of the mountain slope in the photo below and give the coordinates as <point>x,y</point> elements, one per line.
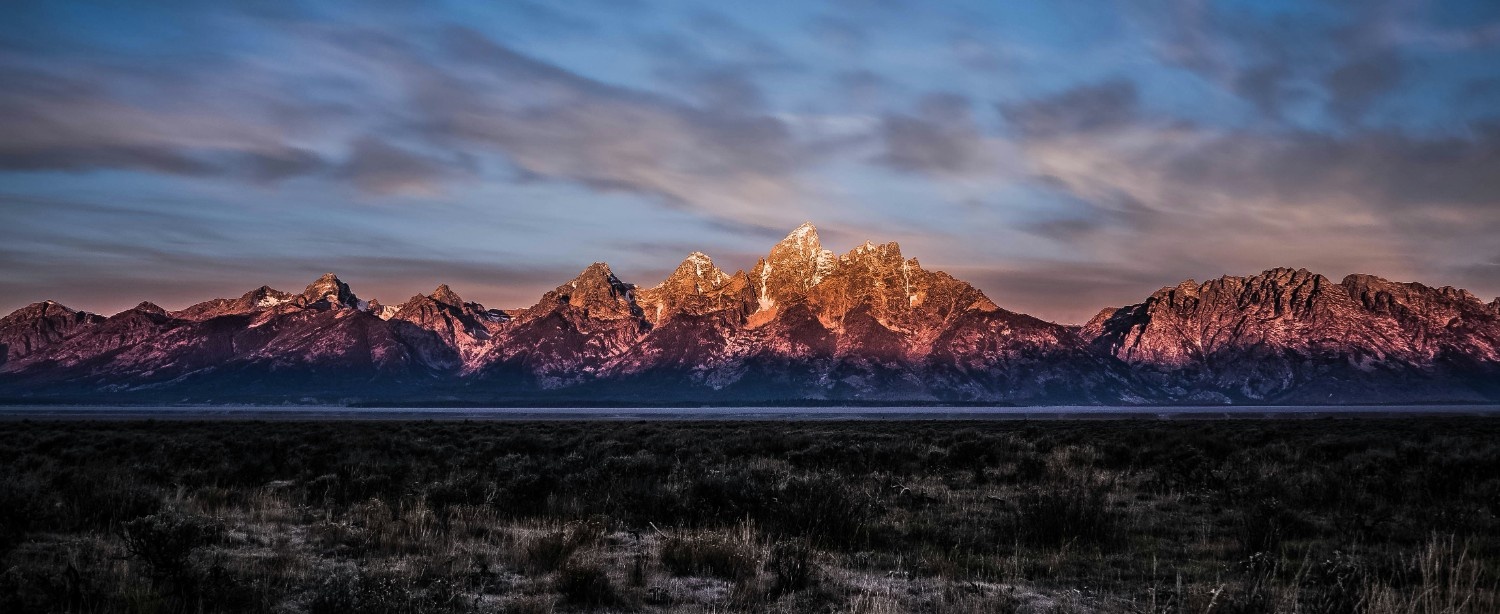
<point>1295,336</point>
<point>37,326</point>
<point>803,323</point>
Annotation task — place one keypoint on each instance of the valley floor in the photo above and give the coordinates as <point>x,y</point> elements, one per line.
<point>1306,515</point>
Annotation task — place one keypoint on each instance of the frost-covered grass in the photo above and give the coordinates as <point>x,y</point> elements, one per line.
<point>1300,515</point>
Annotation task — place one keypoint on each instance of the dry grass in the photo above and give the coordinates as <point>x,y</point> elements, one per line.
<point>1381,517</point>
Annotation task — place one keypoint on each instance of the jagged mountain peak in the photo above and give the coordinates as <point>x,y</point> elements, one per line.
<point>696,287</point>
<point>802,243</point>
<point>444,294</point>
<point>47,310</point>
<point>595,271</point>
<point>880,257</point>
<point>40,308</point>
<point>1363,282</point>
<point>266,296</point>
<point>597,290</point>
<point>1279,276</point>
<point>803,323</point>
<point>331,289</point>
<point>793,266</point>
<point>806,231</point>
<point>696,271</point>
<point>149,307</point>
<point>384,312</point>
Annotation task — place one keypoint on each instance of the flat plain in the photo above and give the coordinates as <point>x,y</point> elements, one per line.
<point>1396,514</point>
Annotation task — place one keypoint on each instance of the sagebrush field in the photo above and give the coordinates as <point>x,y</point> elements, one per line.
<point>1394,515</point>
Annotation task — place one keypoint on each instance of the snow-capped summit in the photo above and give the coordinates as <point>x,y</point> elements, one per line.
<point>698,273</point>
<point>868,324</point>
<point>794,265</point>
<point>696,287</point>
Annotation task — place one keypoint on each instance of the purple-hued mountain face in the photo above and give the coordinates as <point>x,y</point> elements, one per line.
<point>1296,336</point>
<point>803,324</point>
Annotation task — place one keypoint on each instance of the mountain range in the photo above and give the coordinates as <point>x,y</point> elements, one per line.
<point>802,325</point>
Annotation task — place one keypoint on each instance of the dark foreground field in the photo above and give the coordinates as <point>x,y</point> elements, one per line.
<point>1130,516</point>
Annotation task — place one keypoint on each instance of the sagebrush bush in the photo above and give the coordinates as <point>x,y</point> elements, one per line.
<point>1227,516</point>
<point>164,541</point>
<point>728,556</point>
<point>1075,512</point>
<point>586,583</point>
<point>552,551</point>
<point>791,567</point>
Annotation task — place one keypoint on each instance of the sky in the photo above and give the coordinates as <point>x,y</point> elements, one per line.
<point>1062,156</point>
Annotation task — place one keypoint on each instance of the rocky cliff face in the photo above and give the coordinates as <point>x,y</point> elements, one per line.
<point>328,292</point>
<point>803,323</point>
<point>565,338</point>
<point>1295,336</point>
<point>444,330</point>
<point>258,299</point>
<point>37,326</point>
<point>870,325</point>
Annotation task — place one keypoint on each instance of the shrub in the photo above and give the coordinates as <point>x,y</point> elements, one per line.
<point>1064,514</point>
<point>551,552</point>
<point>791,567</point>
<point>349,589</point>
<point>722,556</point>
<point>828,508</point>
<point>1338,584</point>
<point>164,542</point>
<point>587,584</point>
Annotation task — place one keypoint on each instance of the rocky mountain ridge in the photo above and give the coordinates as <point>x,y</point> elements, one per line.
<point>803,323</point>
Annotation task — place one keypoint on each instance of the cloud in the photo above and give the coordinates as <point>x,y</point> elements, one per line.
<point>1159,192</point>
<point>71,117</point>
<point>941,138</point>
<point>1068,292</point>
<point>1286,59</point>
<point>840,34</point>
<point>557,125</point>
<point>441,99</point>
<point>1358,83</point>
<point>1083,109</point>
<point>976,53</point>
<point>378,167</point>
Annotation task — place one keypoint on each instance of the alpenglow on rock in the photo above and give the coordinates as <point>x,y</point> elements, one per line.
<point>803,324</point>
